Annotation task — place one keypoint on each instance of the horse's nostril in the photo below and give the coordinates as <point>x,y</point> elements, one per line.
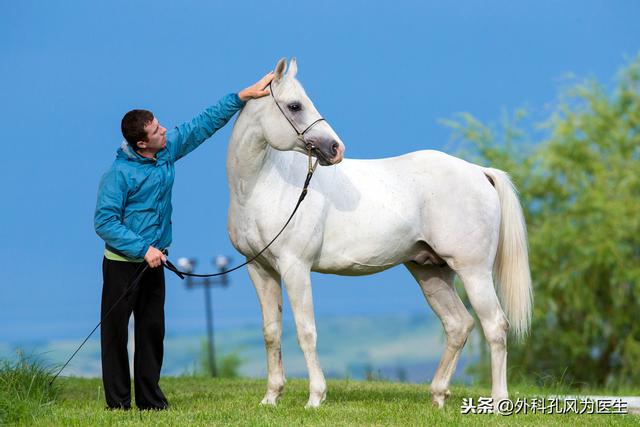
<point>334,148</point>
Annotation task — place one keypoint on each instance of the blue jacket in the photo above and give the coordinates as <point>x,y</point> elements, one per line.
<point>133,210</point>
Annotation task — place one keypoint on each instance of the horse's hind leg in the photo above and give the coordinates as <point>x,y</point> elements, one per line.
<point>267,284</point>
<point>478,283</point>
<point>437,285</point>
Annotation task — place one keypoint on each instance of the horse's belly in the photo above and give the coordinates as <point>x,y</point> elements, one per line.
<point>352,261</point>
<point>351,268</point>
<point>368,244</point>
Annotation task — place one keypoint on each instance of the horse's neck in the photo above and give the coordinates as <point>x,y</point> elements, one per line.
<point>248,154</point>
<point>245,156</point>
<point>251,159</point>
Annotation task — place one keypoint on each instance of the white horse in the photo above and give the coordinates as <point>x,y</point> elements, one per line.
<point>436,214</point>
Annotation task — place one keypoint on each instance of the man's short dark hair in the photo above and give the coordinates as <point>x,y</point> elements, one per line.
<point>133,124</point>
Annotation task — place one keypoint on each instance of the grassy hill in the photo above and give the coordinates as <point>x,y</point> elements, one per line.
<point>205,402</point>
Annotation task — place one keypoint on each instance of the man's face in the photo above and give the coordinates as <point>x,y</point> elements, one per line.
<point>156,135</point>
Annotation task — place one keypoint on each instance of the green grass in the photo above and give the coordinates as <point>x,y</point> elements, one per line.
<point>27,399</point>
<point>202,401</point>
<point>25,392</point>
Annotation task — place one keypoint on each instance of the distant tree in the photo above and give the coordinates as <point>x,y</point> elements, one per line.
<point>228,365</point>
<point>580,189</point>
<point>401,374</point>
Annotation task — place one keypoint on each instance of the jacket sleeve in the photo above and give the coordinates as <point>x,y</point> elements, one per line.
<point>186,137</point>
<point>109,217</point>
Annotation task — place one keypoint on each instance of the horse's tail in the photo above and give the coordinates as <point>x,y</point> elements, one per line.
<point>511,266</point>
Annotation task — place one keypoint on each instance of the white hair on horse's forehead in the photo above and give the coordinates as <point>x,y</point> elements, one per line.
<point>289,87</point>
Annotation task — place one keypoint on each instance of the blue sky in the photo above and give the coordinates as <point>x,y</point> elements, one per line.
<point>383,74</point>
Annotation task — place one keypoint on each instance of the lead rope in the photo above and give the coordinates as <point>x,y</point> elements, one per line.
<point>169,266</point>
<point>311,168</point>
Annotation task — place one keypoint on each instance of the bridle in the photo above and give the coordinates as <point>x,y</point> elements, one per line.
<point>300,135</point>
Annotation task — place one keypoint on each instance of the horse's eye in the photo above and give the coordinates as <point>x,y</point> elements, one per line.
<point>294,106</point>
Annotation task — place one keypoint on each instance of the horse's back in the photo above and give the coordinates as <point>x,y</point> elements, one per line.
<point>429,171</point>
<point>415,162</point>
<point>378,204</point>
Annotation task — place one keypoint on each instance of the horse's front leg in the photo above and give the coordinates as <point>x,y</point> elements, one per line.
<point>267,284</point>
<point>297,280</point>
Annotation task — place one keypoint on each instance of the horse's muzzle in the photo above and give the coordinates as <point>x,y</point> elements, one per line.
<point>328,152</point>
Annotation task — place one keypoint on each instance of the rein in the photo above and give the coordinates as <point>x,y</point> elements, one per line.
<point>311,169</point>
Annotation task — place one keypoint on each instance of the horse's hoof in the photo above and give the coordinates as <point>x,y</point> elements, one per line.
<point>438,401</point>
<point>496,404</point>
<point>315,401</point>
<point>312,404</point>
<point>269,400</point>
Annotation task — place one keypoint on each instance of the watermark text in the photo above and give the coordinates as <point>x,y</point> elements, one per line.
<point>544,405</point>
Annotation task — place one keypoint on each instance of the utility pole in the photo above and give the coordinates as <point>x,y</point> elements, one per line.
<point>188,266</point>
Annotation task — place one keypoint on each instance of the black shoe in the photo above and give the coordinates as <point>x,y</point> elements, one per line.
<point>121,407</point>
<point>153,408</point>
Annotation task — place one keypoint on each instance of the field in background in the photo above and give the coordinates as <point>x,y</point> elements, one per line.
<point>406,348</point>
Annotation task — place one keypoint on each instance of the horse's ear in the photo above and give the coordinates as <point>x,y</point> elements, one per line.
<point>280,69</point>
<point>293,68</point>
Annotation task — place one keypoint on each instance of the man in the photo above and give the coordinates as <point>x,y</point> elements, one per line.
<point>133,217</point>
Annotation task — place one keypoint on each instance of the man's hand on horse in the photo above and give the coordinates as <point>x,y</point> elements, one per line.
<point>154,257</point>
<point>257,90</point>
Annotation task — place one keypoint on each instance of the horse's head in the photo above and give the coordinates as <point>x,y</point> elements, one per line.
<point>289,111</point>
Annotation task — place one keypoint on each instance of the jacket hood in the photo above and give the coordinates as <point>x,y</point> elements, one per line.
<point>125,152</point>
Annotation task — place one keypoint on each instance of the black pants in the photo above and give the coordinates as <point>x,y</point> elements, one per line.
<point>146,302</point>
